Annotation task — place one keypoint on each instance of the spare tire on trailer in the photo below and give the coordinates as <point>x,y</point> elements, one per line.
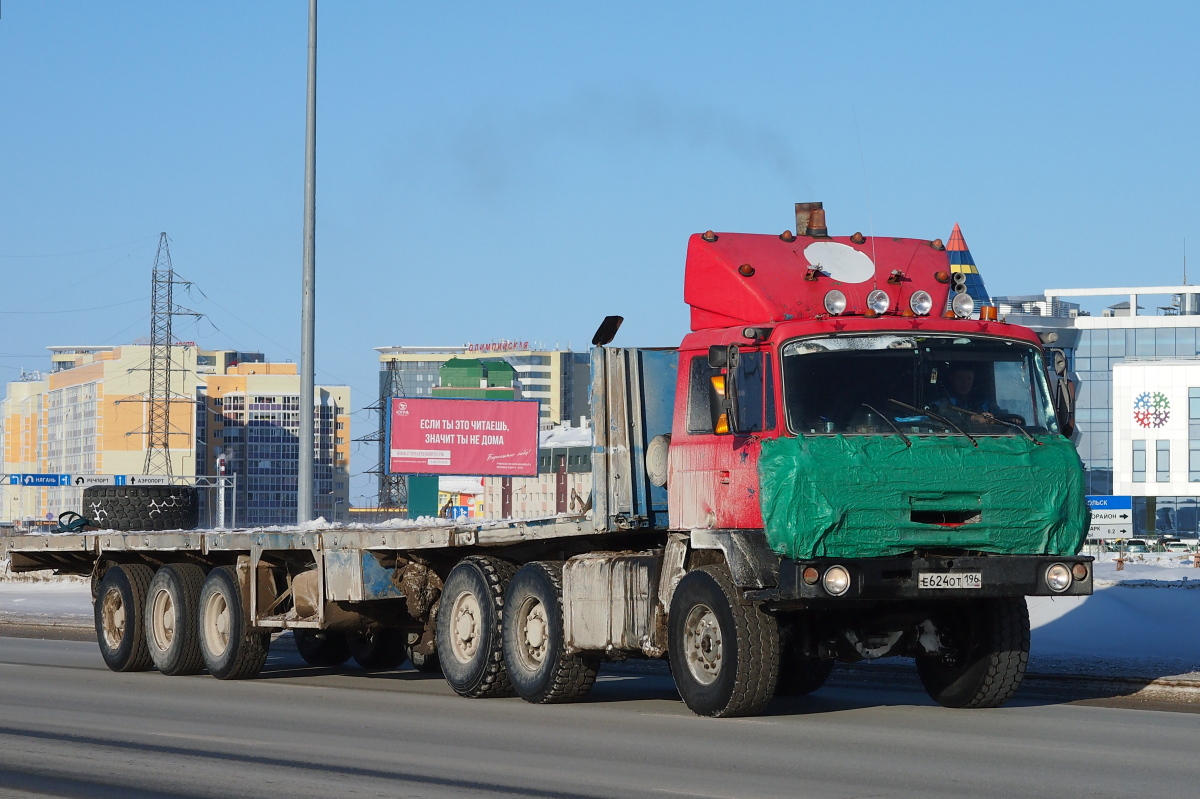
<point>141,507</point>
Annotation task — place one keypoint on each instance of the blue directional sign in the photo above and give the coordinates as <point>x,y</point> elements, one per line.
<point>39,479</point>
<point>1110,503</point>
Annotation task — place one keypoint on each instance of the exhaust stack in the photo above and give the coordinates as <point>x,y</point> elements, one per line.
<point>810,220</point>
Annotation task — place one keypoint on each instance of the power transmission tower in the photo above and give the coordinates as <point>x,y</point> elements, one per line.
<point>393,488</point>
<point>159,396</point>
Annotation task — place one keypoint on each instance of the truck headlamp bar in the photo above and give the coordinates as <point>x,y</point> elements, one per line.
<point>878,301</point>
<point>920,303</point>
<point>835,302</point>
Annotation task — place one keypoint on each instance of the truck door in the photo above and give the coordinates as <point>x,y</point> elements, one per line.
<point>737,488</point>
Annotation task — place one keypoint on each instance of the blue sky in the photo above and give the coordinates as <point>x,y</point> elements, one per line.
<point>488,171</point>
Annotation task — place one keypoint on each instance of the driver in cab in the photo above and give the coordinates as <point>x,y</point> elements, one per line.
<point>961,395</point>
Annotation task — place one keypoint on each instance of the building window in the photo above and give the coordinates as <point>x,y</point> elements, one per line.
<point>1194,435</point>
<point>1162,461</point>
<point>1139,461</point>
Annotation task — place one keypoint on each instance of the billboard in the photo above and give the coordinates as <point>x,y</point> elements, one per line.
<point>463,436</point>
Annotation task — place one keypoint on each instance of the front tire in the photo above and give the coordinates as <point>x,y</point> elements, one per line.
<point>724,652</point>
<point>987,651</point>
<point>230,650</point>
<point>172,619</point>
<point>121,619</point>
<point>470,642</point>
<point>539,666</point>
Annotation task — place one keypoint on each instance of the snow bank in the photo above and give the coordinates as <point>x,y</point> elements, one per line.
<point>1141,621</point>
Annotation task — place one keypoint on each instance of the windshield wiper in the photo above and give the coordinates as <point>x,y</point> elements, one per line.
<point>998,420</point>
<point>937,416</point>
<point>899,432</point>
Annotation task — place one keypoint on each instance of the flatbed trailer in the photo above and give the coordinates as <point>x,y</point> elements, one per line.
<point>804,480</point>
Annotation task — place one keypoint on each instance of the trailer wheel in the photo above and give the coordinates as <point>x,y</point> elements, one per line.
<point>120,617</point>
<point>987,651</point>
<point>470,643</point>
<point>322,647</point>
<point>230,651</point>
<point>535,654</point>
<point>724,652</point>
<point>172,625</point>
<point>377,649</point>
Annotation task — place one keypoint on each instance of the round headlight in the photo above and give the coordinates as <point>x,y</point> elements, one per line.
<point>837,580</point>
<point>921,303</point>
<point>878,301</point>
<point>1058,578</point>
<point>835,302</point>
<point>962,305</point>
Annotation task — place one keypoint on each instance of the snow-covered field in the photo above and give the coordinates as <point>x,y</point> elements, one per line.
<point>1143,621</point>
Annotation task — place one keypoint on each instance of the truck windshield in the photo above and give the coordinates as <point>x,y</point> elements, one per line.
<point>924,384</point>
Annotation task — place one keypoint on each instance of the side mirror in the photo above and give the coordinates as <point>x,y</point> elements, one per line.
<point>1064,404</point>
<point>1060,363</point>
<point>722,389</point>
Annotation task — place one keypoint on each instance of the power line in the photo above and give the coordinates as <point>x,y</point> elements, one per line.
<point>81,252</point>
<point>77,310</point>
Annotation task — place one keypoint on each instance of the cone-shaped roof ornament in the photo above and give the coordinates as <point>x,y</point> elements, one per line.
<point>961,261</point>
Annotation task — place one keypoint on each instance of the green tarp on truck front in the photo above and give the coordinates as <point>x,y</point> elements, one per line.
<point>857,496</point>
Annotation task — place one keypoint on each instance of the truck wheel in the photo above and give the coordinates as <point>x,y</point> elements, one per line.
<point>377,649</point>
<point>539,666</point>
<point>322,647</point>
<point>724,652</point>
<point>120,617</point>
<point>172,627</point>
<point>230,651</point>
<point>426,664</point>
<point>990,641</point>
<point>470,643</point>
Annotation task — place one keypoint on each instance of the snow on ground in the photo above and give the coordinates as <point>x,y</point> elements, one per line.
<point>1143,621</point>
<point>58,604</point>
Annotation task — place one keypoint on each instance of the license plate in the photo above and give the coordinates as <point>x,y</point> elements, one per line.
<point>950,580</point>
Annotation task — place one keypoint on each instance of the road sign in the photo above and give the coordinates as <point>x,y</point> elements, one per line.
<point>1112,516</point>
<point>147,480</point>
<point>39,479</point>
<point>1104,502</point>
<point>86,480</point>
<point>1109,531</point>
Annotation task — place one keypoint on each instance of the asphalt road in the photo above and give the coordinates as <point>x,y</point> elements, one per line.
<point>69,727</point>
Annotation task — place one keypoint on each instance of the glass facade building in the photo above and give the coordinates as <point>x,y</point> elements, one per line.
<point>1093,346</point>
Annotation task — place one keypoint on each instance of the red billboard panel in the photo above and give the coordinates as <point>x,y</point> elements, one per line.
<point>463,436</point>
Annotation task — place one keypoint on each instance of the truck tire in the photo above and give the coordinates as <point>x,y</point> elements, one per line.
<point>470,640</point>
<point>120,617</point>
<point>426,664</point>
<point>992,642</point>
<point>230,650</point>
<point>322,647</point>
<point>141,507</point>
<point>172,619</point>
<point>377,649</point>
<point>539,666</point>
<point>724,652</point>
